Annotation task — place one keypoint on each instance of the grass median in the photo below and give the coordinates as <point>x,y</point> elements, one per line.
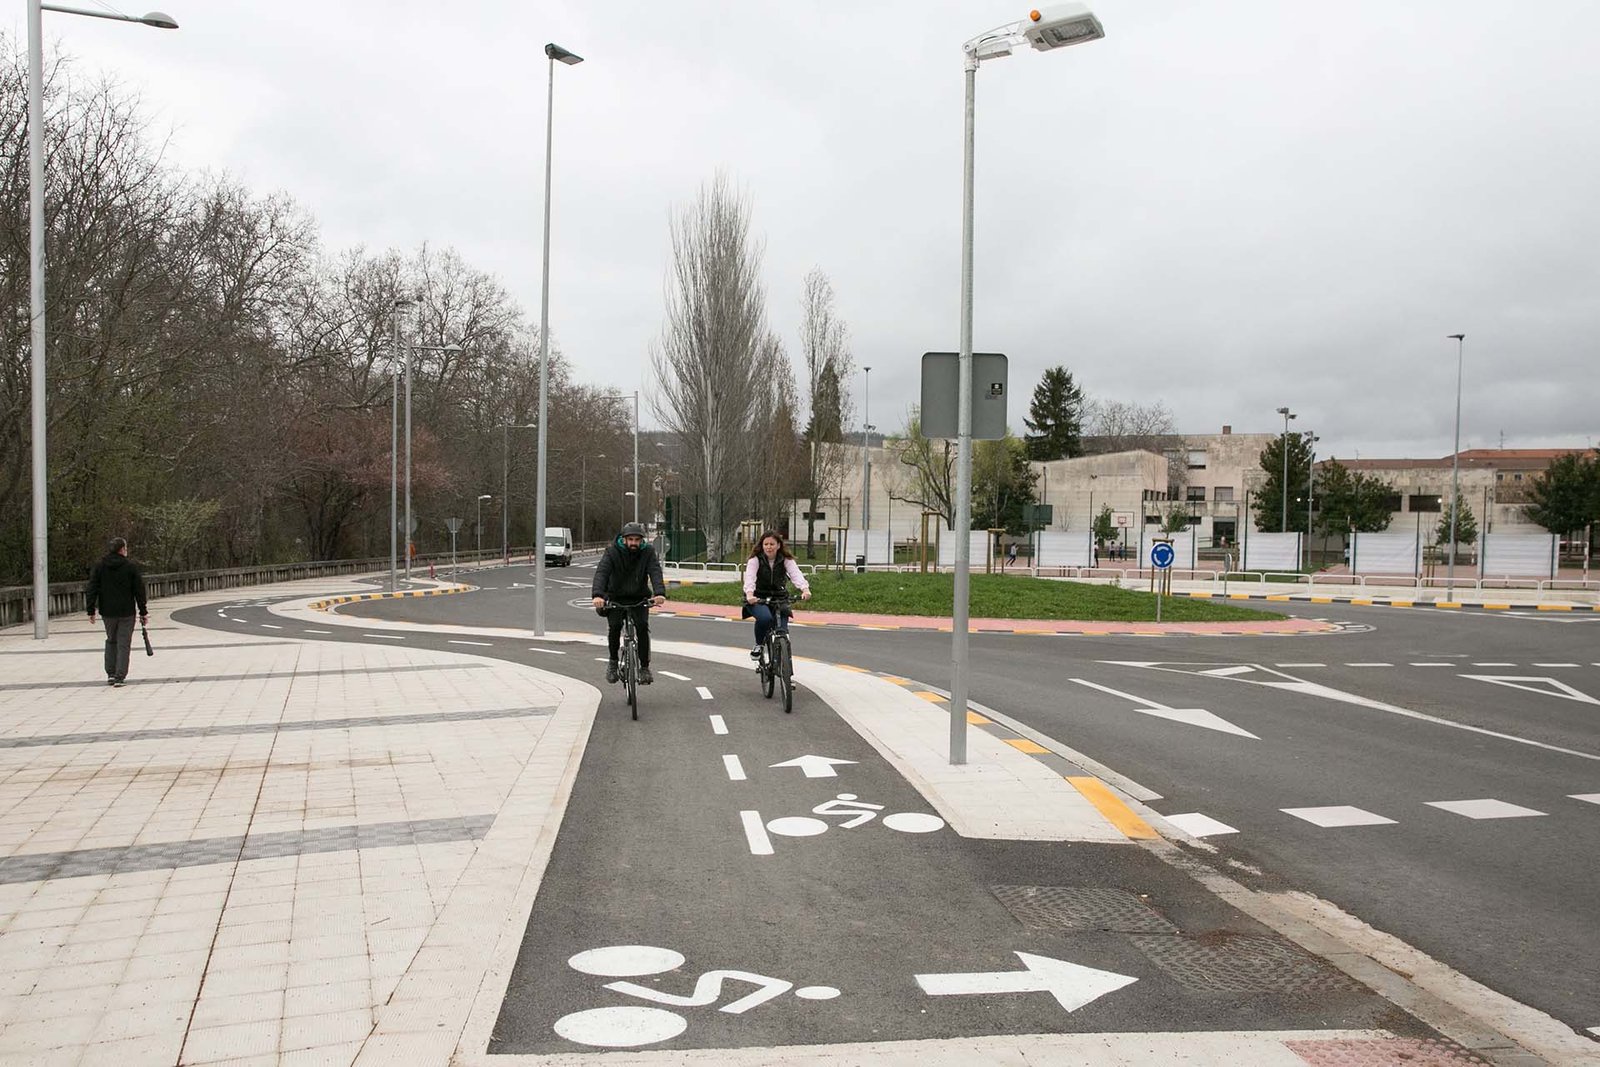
<point>994,596</point>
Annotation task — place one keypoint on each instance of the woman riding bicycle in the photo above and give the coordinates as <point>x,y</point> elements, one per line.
<point>767,574</point>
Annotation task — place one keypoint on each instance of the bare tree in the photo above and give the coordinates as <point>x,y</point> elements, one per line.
<point>1124,426</point>
<point>824,344</point>
<point>707,361</point>
<point>924,470</point>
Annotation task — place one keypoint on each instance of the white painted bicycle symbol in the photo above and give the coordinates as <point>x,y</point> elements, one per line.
<point>629,1026</point>
<point>854,811</point>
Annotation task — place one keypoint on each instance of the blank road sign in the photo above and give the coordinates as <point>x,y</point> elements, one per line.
<point>941,386</point>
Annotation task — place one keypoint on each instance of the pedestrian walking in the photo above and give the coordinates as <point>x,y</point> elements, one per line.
<point>116,591</point>
<point>1011,554</point>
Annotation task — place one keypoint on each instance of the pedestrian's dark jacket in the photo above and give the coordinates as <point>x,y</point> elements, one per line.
<point>116,587</point>
<point>628,576</point>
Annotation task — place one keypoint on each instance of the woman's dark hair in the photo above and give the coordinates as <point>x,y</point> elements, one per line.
<point>783,549</point>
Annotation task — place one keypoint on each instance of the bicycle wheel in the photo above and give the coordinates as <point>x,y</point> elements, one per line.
<point>632,668</point>
<point>768,675</point>
<point>784,669</point>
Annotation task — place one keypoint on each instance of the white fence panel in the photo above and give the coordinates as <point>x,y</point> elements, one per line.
<point>980,549</point>
<point>1066,548</point>
<point>1182,549</point>
<point>876,541</point>
<point>1271,551</point>
<point>1385,553</point>
<point>1517,556</point>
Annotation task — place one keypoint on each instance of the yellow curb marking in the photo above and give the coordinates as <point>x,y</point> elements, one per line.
<point>932,698</point>
<point>1555,607</point>
<point>1111,806</point>
<point>974,719</point>
<point>1400,603</point>
<point>1021,744</point>
<point>1322,600</point>
<point>1201,595</point>
<point>1365,602</point>
<point>1280,596</point>
<point>1446,604</point>
<point>852,670</point>
<point>1497,607</point>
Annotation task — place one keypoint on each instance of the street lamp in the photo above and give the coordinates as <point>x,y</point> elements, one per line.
<point>40,425</point>
<point>866,441</point>
<point>505,491</point>
<point>407,350</point>
<point>1287,415</point>
<point>1066,24</point>
<point>400,368</point>
<point>479,525</point>
<point>556,54</point>
<point>624,396</point>
<point>1311,485</point>
<point>1455,470</point>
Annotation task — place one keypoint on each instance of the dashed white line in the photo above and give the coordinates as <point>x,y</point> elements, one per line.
<point>275,626</point>
<point>1555,664</point>
<point>717,725</point>
<point>679,677</point>
<point>385,637</point>
<point>705,694</point>
<point>755,833</point>
<point>547,651</point>
<point>1296,665</point>
<point>734,767</point>
<point>480,644</point>
<point>1494,664</point>
<point>1369,664</point>
<point>1433,664</point>
<point>319,631</point>
<point>1197,825</point>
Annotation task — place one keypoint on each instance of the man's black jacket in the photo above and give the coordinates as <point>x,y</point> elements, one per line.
<point>628,576</point>
<point>116,587</point>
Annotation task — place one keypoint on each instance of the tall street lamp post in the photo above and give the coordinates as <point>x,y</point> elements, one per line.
<point>409,373</point>
<point>394,449</point>
<point>478,526</point>
<point>505,490</point>
<point>1066,25</point>
<point>1311,485</point>
<point>556,54</point>
<point>40,426</point>
<point>1455,470</point>
<point>635,396</point>
<point>866,441</point>
<point>1287,415</point>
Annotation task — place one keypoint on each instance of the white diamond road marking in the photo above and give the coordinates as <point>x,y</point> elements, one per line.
<point>1484,809</point>
<point>1337,815</point>
<point>1197,825</point>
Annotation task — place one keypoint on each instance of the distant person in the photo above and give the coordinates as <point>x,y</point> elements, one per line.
<point>116,589</point>
<point>1011,555</point>
<point>767,574</point>
<point>629,573</point>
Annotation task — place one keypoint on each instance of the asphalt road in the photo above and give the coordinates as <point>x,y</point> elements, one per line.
<point>1423,708</point>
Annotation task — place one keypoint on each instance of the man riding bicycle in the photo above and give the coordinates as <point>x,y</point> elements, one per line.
<point>767,574</point>
<point>629,573</point>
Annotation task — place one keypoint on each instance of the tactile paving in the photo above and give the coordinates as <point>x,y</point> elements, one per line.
<point>1242,963</point>
<point>1393,1052</point>
<point>1060,907</point>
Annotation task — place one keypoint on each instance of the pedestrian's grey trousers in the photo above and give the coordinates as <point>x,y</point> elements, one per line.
<point>119,639</point>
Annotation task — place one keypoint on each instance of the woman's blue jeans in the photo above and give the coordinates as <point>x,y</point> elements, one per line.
<point>763,614</point>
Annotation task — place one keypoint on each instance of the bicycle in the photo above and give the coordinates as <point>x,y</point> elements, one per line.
<point>628,652</point>
<point>776,666</point>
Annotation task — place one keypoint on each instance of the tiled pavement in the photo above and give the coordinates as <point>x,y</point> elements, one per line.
<point>262,851</point>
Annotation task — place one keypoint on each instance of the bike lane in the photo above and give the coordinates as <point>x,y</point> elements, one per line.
<point>781,883</point>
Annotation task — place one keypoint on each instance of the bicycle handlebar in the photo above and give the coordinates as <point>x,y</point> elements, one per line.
<point>612,605</point>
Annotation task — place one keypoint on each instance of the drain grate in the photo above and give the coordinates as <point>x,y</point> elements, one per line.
<point>1061,907</point>
<point>1242,963</point>
<point>1382,1053</point>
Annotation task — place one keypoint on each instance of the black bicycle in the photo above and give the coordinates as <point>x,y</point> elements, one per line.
<point>628,652</point>
<point>776,666</point>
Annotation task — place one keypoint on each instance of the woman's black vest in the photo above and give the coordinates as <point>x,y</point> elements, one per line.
<point>772,578</point>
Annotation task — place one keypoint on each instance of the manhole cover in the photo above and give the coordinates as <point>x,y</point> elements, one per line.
<point>1242,963</point>
<point>1061,907</point>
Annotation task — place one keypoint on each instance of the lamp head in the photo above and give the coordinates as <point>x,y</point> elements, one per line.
<point>1457,336</point>
<point>1060,26</point>
<point>160,20</point>
<point>561,55</point>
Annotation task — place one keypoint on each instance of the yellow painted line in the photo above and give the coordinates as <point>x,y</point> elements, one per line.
<point>1497,607</point>
<point>1033,631</point>
<point>896,680</point>
<point>1446,604</point>
<point>1021,744</point>
<point>974,719</point>
<point>1555,607</point>
<point>932,698</point>
<point>1111,806</point>
<point>1365,602</point>
<point>1400,603</point>
<point>1322,600</point>
<point>852,670</point>
<point>1238,596</point>
<point>1204,595</point>
<point>1282,597</point>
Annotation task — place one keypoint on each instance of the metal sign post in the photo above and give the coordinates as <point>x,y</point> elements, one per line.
<point>455,528</point>
<point>1161,558</point>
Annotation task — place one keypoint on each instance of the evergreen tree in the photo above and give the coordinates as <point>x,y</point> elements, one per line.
<point>1567,496</point>
<point>1350,500</point>
<point>1269,512</point>
<point>1466,525</point>
<point>1055,417</point>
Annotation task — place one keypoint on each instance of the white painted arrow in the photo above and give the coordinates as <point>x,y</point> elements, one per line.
<point>1187,716</point>
<point>1071,984</point>
<point>815,766</point>
<point>1548,687</point>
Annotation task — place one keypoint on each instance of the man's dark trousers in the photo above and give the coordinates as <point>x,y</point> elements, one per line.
<point>641,627</point>
<point>119,640</point>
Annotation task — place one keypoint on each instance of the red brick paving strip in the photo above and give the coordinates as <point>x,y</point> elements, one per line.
<point>1007,626</point>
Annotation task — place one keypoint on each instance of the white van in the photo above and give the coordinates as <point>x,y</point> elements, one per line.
<point>558,546</point>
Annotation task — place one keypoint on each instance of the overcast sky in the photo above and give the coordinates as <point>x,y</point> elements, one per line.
<point>1228,207</point>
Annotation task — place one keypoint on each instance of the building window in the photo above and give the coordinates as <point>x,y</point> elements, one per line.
<point>1516,477</point>
<point>816,516</point>
<point>1392,502</point>
<point>1222,494</point>
<point>1424,501</point>
<point>1197,461</point>
<point>1197,493</point>
<point>1499,477</point>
